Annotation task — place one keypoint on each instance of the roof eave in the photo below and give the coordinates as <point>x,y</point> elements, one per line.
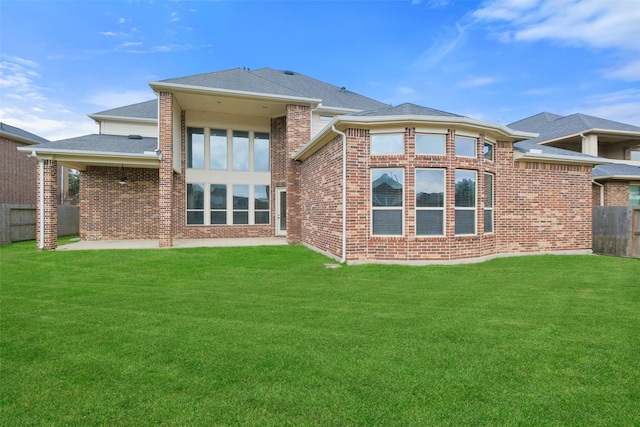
<point>558,158</point>
<point>99,117</point>
<point>18,138</point>
<point>146,159</point>
<point>163,86</point>
<point>617,178</point>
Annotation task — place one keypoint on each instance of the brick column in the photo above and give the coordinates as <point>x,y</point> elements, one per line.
<point>298,133</point>
<point>49,204</point>
<point>165,182</point>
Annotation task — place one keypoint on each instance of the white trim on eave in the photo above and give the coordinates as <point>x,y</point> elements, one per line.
<point>558,158</point>
<point>617,178</point>
<point>171,87</point>
<point>98,117</point>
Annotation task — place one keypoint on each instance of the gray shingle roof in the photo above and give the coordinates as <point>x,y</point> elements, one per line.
<point>103,143</point>
<point>12,131</point>
<point>525,146</point>
<point>551,126</point>
<point>141,110</point>
<point>614,169</point>
<point>406,109</point>
<point>283,83</point>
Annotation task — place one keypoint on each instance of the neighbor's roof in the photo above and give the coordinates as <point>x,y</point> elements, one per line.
<point>12,132</point>
<point>268,81</point>
<point>142,110</point>
<point>616,171</point>
<point>552,126</point>
<point>527,146</point>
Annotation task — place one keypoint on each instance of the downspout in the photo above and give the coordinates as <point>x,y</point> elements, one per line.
<point>344,193</point>
<point>601,191</point>
<point>41,204</point>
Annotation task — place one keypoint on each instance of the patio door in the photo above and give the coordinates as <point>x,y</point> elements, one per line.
<point>281,211</point>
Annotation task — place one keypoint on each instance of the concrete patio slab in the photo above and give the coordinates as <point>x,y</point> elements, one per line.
<point>178,243</point>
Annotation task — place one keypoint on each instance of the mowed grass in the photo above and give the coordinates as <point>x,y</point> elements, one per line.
<point>267,336</point>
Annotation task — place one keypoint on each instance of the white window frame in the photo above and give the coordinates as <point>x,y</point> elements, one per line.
<point>229,210</point>
<point>444,144</point>
<point>374,136</point>
<point>401,208</point>
<point>204,203</point>
<point>443,209</point>
<point>464,208</point>
<point>493,202</point>
<point>465,137</point>
<point>492,144</point>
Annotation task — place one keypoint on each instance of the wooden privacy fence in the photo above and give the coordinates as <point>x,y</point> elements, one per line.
<point>616,230</point>
<point>18,222</point>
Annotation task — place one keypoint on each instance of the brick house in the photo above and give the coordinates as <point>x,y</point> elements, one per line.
<point>616,183</point>
<point>263,153</point>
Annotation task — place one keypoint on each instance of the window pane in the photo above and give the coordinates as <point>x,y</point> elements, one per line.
<point>488,221</point>
<point>218,217</point>
<point>634,195</point>
<point>465,146</point>
<point>429,188</point>
<point>430,222</point>
<point>240,150</point>
<point>386,187</point>
<point>218,149</point>
<point>488,151</point>
<point>387,222</point>
<point>241,217</point>
<point>262,217</point>
<point>465,222</point>
<point>195,196</point>
<point>387,144</point>
<point>261,152</point>
<point>488,190</point>
<point>261,197</point>
<point>465,189</point>
<point>240,197</point>
<point>195,148</point>
<point>195,217</point>
<point>218,196</point>
<point>430,144</point>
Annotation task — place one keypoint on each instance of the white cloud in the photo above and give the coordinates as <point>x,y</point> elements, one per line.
<point>116,98</point>
<point>628,72</point>
<point>622,106</point>
<point>107,33</point>
<point>477,81</point>
<point>592,23</point>
<point>542,91</point>
<point>439,49</point>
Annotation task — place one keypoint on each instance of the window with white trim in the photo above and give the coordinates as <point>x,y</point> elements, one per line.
<point>195,148</point>
<point>430,144</point>
<point>488,150</point>
<point>387,202</point>
<point>218,203</point>
<point>430,197</point>
<point>488,202</point>
<point>387,144</point>
<point>465,202</point>
<point>228,204</point>
<point>634,195</point>
<point>195,203</point>
<point>465,146</point>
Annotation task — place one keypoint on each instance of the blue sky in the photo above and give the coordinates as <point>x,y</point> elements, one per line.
<point>496,60</point>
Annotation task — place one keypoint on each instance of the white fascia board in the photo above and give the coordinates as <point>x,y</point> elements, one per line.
<point>157,87</point>
<point>617,178</point>
<point>99,117</point>
<point>612,132</point>
<point>559,158</point>
<point>344,122</point>
<point>18,138</point>
<point>79,153</point>
<point>337,110</point>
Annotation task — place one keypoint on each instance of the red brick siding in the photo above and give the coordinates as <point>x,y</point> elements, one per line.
<point>298,133</point>
<point>165,189</point>
<point>18,177</point>
<point>50,202</point>
<point>111,211</point>
<point>321,198</point>
<point>616,193</point>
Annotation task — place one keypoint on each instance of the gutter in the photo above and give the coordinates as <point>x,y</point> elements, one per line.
<point>344,193</point>
<point>98,117</point>
<point>53,151</point>
<point>601,191</point>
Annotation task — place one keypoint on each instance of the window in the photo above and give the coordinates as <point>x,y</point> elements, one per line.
<point>218,203</point>
<point>261,204</point>
<point>240,150</point>
<point>488,150</point>
<point>195,203</point>
<point>385,144</point>
<point>430,144</point>
<point>218,149</point>
<point>634,195</point>
<point>195,148</point>
<point>465,202</point>
<point>634,155</point>
<point>465,147</point>
<point>261,152</point>
<point>488,203</point>
<point>430,202</point>
<point>241,204</point>
<point>387,194</point>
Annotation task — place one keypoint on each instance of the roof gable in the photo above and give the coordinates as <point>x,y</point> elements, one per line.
<point>13,132</point>
<point>406,109</point>
<point>141,110</point>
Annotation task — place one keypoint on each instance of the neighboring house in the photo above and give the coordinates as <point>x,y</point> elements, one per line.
<point>17,171</point>
<point>614,184</point>
<point>264,153</point>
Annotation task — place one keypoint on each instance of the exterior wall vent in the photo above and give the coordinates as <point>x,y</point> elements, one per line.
<point>135,137</point>
<point>289,73</point>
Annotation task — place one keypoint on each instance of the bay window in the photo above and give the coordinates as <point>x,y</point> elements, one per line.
<point>465,147</point>
<point>430,144</point>
<point>387,195</point>
<point>387,144</point>
<point>465,202</point>
<point>488,202</point>
<point>430,197</point>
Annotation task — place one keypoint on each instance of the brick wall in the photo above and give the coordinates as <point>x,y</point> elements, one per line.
<point>298,133</point>
<point>538,207</point>
<point>165,173</point>
<point>616,193</point>
<point>50,204</point>
<point>111,211</point>
<point>17,174</point>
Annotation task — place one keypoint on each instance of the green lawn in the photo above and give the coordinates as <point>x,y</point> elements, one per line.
<point>268,336</point>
